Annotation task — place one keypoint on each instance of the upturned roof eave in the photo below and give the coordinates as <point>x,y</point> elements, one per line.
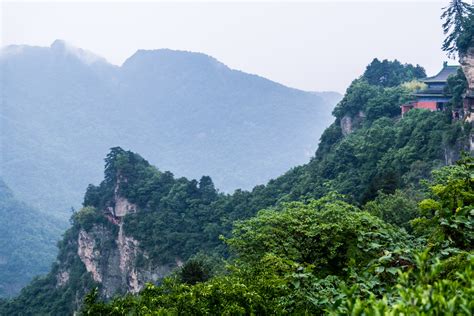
<point>449,69</point>
<point>432,95</point>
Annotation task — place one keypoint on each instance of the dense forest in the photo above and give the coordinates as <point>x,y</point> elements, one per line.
<point>379,222</point>
<point>328,256</point>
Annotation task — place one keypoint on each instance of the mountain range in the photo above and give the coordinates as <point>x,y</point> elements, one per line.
<point>62,108</point>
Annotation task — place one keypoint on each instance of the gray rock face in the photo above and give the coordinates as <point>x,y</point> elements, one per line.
<point>89,254</point>
<point>110,256</point>
<point>346,125</point>
<point>467,63</point>
<point>349,123</point>
<point>122,205</point>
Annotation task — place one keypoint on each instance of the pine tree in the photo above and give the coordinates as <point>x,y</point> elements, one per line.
<point>456,17</point>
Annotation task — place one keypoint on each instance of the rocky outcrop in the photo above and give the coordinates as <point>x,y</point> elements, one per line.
<point>350,123</point>
<point>346,125</point>
<point>128,250</point>
<point>62,278</point>
<point>123,207</point>
<point>452,153</point>
<point>467,64</point>
<point>110,256</point>
<point>110,259</point>
<point>89,255</point>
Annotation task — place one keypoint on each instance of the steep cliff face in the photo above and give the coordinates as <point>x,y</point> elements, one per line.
<point>350,123</point>
<point>467,63</point>
<point>110,256</point>
<point>120,205</point>
<point>89,254</point>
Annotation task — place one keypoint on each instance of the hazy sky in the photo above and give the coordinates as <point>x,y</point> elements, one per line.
<point>306,45</point>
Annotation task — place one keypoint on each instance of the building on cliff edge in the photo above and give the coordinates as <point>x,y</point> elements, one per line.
<point>434,97</point>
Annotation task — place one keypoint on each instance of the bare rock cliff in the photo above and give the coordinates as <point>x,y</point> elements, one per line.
<point>467,63</point>
<point>350,123</point>
<point>110,256</point>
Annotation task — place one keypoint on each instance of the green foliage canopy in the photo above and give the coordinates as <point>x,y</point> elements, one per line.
<point>458,27</point>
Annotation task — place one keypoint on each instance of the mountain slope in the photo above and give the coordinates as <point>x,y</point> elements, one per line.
<point>61,107</point>
<point>27,242</point>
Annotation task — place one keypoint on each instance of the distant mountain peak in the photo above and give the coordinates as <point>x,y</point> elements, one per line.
<point>167,52</point>
<point>62,47</point>
<point>172,57</point>
<point>59,44</point>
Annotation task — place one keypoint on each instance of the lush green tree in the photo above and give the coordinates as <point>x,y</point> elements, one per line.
<point>423,290</point>
<point>440,278</point>
<point>328,234</point>
<point>448,214</point>
<point>398,208</point>
<point>457,18</point>
<point>194,271</point>
<point>356,97</point>
<point>391,73</point>
<point>456,87</point>
<point>386,104</point>
<point>380,91</point>
<point>465,40</point>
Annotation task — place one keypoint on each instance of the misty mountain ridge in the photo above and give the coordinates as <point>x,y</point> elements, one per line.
<point>27,242</point>
<point>64,107</point>
<point>59,47</point>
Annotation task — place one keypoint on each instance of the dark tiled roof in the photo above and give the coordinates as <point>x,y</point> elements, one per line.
<point>443,75</point>
<point>431,92</point>
<point>421,94</point>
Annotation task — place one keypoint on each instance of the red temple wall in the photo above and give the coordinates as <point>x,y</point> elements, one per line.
<point>429,105</point>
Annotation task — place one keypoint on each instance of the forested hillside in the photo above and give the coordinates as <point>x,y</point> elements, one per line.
<point>27,242</point>
<point>62,108</point>
<point>327,256</point>
<point>334,231</point>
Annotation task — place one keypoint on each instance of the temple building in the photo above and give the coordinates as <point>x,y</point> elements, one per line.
<point>433,97</point>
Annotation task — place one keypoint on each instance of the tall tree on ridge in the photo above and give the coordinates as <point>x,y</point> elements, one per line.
<point>455,16</point>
